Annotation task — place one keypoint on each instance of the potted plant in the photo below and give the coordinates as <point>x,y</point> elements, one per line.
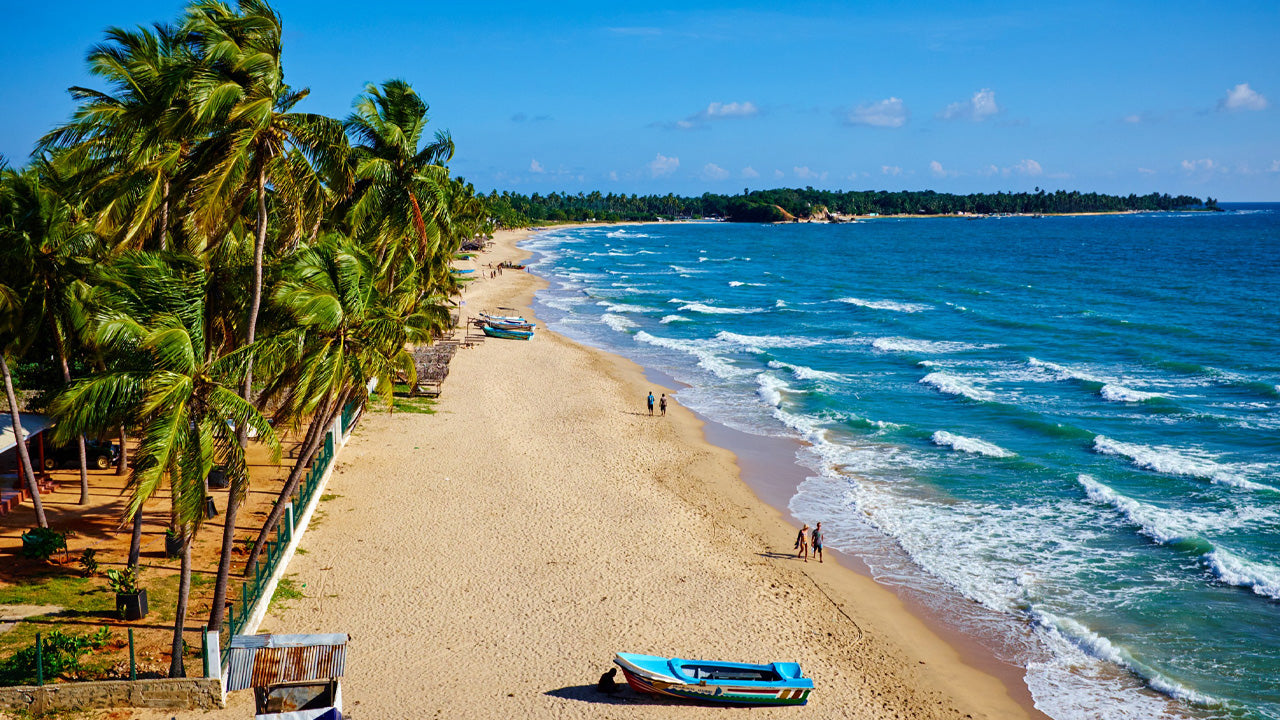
<point>131,600</point>
<point>172,543</point>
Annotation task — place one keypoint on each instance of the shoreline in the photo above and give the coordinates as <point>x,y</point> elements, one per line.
<point>489,559</point>
<point>759,470</point>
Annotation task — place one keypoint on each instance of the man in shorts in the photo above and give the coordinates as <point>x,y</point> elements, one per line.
<point>650,402</point>
<point>816,541</point>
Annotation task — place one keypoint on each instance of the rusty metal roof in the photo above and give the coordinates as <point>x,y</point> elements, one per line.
<point>262,660</point>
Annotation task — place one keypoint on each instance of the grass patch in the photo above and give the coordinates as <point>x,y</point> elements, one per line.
<point>329,496</point>
<point>300,550</point>
<point>63,590</point>
<point>287,589</point>
<point>418,405</point>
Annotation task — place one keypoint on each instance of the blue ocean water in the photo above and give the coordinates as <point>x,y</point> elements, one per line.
<point>1072,421</point>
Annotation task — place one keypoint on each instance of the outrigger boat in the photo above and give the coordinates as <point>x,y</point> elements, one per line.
<point>779,683</point>
<point>509,324</point>
<point>499,332</point>
<point>503,318</point>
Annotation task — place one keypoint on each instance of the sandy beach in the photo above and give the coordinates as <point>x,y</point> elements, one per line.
<point>489,559</point>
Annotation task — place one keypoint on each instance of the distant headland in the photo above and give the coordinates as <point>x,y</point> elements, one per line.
<point>809,205</point>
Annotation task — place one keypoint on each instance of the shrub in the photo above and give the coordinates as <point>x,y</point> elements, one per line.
<point>62,653</point>
<point>42,543</point>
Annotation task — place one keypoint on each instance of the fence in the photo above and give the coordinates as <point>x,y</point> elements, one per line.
<point>252,589</point>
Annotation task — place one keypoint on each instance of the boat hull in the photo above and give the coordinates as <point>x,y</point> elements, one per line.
<point>645,674</point>
<point>507,334</point>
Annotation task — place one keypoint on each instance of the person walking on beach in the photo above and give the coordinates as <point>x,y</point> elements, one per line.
<point>650,402</point>
<point>802,543</point>
<point>816,541</point>
<point>662,404</point>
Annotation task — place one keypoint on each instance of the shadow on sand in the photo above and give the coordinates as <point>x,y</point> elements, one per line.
<point>624,696</point>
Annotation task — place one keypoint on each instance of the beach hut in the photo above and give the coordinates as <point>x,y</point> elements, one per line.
<point>294,677</point>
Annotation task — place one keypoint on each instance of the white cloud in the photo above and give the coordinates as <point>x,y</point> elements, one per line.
<point>733,109</point>
<point>535,166</point>
<point>936,168</point>
<point>711,171</point>
<point>1275,166</point>
<point>977,108</point>
<point>1203,164</point>
<point>805,173</point>
<point>1146,171</point>
<point>1028,167</point>
<point>613,175</point>
<point>890,170</point>
<point>1133,119</point>
<point>663,165</point>
<point>750,172</point>
<point>1243,97</point>
<point>779,174</point>
<point>889,113</point>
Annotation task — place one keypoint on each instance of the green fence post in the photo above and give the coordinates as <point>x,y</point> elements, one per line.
<point>39,661</point>
<point>244,598</point>
<point>133,664</point>
<point>204,650</point>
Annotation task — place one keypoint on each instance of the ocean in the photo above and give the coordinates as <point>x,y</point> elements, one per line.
<point>1061,434</point>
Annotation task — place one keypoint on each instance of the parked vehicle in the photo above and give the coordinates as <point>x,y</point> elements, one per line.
<point>100,455</point>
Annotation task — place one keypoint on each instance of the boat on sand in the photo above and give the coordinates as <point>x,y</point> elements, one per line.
<point>507,334</point>
<point>779,683</point>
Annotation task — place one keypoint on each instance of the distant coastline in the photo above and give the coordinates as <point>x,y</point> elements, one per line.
<point>807,204</point>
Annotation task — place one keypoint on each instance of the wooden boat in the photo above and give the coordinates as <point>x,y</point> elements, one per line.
<point>779,683</point>
<point>503,318</point>
<point>498,332</point>
<point>509,325</point>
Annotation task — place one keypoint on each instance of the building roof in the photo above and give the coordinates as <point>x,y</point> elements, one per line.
<point>32,423</point>
<point>262,660</point>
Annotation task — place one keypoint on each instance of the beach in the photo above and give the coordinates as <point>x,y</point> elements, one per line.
<point>488,560</point>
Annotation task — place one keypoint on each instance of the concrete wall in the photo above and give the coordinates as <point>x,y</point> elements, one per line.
<point>167,694</point>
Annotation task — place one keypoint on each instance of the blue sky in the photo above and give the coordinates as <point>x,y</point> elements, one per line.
<point>692,97</point>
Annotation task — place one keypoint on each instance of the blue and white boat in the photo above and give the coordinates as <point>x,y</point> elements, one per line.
<point>779,683</point>
<point>508,334</point>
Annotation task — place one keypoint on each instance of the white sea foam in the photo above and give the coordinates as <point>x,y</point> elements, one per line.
<point>1231,569</point>
<point>804,373</point>
<point>684,270</point>
<point>781,304</point>
<point>617,322</point>
<point>1186,462</point>
<point>615,308</point>
<point>1164,525</point>
<point>1062,372</point>
<point>674,318</point>
<point>701,349</point>
<point>770,388</point>
<point>739,283</point>
<point>1120,393</point>
<point>901,344</point>
<point>758,343</point>
<point>711,310</point>
<point>952,385</point>
<point>903,307</point>
<point>969,445</point>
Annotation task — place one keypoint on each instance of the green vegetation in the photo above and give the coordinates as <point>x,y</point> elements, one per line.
<point>287,589</point>
<point>41,543</point>
<point>515,210</point>
<point>61,656</point>
<point>192,247</point>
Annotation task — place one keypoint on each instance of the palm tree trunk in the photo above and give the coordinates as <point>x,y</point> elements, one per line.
<point>66,377</point>
<point>122,466</point>
<point>234,496</point>
<point>258,251</point>
<point>315,436</point>
<point>177,668</point>
<point>135,542</point>
<point>23,458</point>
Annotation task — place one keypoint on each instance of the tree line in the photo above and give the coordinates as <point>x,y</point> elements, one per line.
<point>515,210</point>
<point>190,260</point>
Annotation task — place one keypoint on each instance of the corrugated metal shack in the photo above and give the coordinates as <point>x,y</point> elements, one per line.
<point>288,673</point>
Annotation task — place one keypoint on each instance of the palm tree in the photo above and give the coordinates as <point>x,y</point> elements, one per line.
<point>51,241</point>
<point>349,331</point>
<point>400,187</point>
<point>184,397</point>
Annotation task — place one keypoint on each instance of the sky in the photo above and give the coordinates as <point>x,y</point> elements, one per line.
<point>693,97</point>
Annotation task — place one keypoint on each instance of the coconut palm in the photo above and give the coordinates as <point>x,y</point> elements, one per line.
<point>401,184</point>
<point>349,332</point>
<point>50,241</point>
<point>184,398</point>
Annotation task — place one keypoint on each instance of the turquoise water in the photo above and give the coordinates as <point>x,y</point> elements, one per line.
<point>1074,422</point>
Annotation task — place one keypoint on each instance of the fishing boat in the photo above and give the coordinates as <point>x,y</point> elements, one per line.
<point>503,318</point>
<point>507,334</point>
<point>509,325</point>
<point>779,683</point>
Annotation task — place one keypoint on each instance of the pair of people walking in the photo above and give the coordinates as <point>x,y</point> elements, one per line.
<point>807,539</point>
<point>662,404</point>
